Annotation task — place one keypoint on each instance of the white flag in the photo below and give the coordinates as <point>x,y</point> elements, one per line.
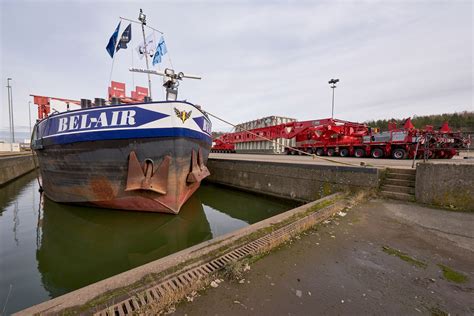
<point>147,47</point>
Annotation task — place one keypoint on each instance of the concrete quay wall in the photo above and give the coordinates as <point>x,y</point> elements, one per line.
<point>14,166</point>
<point>304,182</point>
<point>447,185</point>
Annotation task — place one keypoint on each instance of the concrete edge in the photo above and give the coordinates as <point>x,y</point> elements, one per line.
<point>366,169</point>
<point>18,169</point>
<point>84,295</point>
<point>256,192</point>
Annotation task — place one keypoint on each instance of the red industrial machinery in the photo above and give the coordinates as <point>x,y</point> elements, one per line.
<point>333,137</point>
<point>44,104</point>
<point>116,90</point>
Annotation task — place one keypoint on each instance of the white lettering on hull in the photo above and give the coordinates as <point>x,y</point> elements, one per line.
<point>104,119</point>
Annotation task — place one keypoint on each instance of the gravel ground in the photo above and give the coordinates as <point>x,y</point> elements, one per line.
<point>341,268</point>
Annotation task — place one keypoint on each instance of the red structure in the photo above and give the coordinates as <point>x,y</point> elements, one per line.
<point>116,89</point>
<point>333,137</point>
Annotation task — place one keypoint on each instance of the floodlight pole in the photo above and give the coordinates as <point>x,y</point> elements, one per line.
<point>29,114</point>
<point>10,110</point>
<point>332,110</point>
<point>333,82</point>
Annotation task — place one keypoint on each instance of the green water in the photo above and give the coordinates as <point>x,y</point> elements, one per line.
<point>49,249</point>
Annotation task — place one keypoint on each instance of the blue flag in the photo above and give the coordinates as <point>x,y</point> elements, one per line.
<point>160,51</point>
<point>113,42</point>
<point>125,38</point>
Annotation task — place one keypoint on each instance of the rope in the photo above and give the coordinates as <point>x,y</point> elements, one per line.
<point>34,161</point>
<point>133,74</point>
<point>6,301</point>
<point>276,142</point>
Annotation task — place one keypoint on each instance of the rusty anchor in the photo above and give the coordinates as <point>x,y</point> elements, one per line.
<point>146,178</point>
<point>198,170</point>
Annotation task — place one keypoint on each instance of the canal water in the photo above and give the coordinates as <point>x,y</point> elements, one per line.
<point>49,249</point>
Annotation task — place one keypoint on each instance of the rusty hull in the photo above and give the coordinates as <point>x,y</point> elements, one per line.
<point>150,174</point>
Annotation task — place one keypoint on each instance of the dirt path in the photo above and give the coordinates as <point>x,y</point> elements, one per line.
<point>342,268</point>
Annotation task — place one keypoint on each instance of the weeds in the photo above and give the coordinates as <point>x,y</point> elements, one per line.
<point>452,275</point>
<point>404,257</point>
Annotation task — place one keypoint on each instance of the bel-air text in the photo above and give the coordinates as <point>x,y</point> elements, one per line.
<point>104,119</point>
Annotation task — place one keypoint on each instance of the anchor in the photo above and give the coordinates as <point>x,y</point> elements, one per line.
<point>146,178</point>
<point>198,170</point>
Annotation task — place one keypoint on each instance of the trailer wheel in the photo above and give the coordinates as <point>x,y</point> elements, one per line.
<point>377,153</point>
<point>344,152</point>
<point>359,153</point>
<point>399,153</point>
<point>331,152</point>
<point>319,152</point>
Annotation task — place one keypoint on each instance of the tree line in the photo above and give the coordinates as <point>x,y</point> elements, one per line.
<point>463,121</point>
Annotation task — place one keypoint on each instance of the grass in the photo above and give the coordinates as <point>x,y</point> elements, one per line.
<point>235,270</point>
<point>404,257</point>
<point>452,275</point>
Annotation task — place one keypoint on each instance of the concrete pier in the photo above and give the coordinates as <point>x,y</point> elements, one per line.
<point>304,182</point>
<point>13,166</point>
<point>446,185</point>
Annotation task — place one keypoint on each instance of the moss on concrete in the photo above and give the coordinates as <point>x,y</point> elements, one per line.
<point>382,176</point>
<point>435,311</point>
<point>327,188</point>
<point>404,257</point>
<point>457,200</point>
<point>452,275</point>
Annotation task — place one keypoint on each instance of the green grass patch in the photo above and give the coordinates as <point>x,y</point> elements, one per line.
<point>404,257</point>
<point>452,275</point>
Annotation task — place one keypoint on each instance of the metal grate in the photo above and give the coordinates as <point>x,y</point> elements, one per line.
<point>183,280</point>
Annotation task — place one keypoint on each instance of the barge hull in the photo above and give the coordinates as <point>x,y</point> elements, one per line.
<point>100,173</point>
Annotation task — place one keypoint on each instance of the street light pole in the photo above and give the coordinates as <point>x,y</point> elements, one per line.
<point>333,82</point>
<point>10,110</point>
<point>29,114</point>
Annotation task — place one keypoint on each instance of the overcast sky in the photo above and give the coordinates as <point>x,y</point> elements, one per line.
<point>257,58</point>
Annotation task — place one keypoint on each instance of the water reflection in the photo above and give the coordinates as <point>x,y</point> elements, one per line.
<point>10,191</point>
<point>48,249</point>
<point>83,245</point>
<point>237,204</point>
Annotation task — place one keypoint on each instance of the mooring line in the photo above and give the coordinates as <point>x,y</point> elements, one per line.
<point>6,301</point>
<point>276,142</point>
<point>40,187</point>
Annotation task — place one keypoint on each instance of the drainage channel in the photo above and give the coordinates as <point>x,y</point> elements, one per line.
<point>182,281</point>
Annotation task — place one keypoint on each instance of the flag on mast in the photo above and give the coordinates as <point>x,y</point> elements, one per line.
<point>113,42</point>
<point>147,47</point>
<point>161,50</point>
<point>125,38</point>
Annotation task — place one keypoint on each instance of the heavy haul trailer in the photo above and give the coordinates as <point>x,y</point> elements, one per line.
<point>340,138</point>
<point>333,137</point>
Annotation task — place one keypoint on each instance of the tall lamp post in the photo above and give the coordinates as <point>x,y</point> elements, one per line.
<point>10,110</point>
<point>29,114</point>
<point>333,82</point>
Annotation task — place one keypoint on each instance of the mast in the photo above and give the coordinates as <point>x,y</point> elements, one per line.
<point>142,19</point>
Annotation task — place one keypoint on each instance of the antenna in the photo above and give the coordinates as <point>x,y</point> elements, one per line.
<point>142,19</point>
<point>170,80</point>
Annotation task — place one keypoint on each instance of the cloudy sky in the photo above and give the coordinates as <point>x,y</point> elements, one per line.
<point>257,58</point>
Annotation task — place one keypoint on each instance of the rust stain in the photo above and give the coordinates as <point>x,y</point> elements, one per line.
<point>102,189</point>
